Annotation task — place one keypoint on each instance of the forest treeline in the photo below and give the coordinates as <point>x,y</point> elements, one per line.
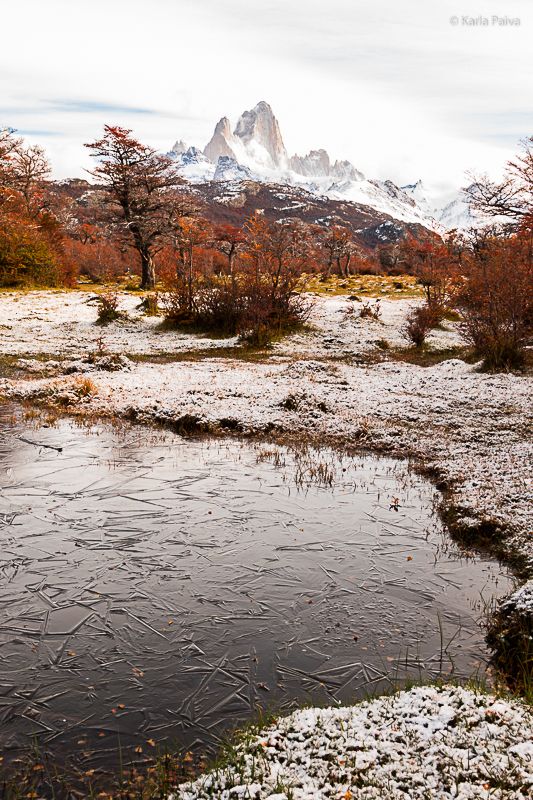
<point>139,218</point>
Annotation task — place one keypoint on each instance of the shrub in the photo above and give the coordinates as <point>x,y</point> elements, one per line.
<point>370,311</point>
<point>108,310</point>
<point>26,259</point>
<point>84,387</point>
<point>150,305</point>
<point>268,308</point>
<point>496,299</point>
<point>420,321</point>
<point>257,295</point>
<point>243,304</point>
<point>220,304</point>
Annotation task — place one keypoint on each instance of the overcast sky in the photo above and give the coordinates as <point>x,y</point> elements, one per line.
<point>392,85</point>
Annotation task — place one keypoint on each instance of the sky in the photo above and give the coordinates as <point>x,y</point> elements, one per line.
<point>405,89</point>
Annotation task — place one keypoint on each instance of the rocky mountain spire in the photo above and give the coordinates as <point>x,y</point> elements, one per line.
<point>257,143</point>
<point>258,130</point>
<point>220,142</point>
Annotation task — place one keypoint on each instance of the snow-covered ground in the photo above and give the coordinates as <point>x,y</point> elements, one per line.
<point>425,744</point>
<point>62,323</point>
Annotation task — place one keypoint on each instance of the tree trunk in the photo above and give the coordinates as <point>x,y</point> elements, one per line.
<point>147,271</point>
<point>191,276</point>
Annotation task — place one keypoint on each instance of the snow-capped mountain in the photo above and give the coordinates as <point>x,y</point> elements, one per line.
<point>454,214</point>
<point>254,150</point>
<point>418,193</point>
<point>457,215</point>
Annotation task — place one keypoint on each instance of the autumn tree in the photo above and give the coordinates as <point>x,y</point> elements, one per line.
<point>8,143</point>
<point>190,234</point>
<point>276,253</point>
<point>496,297</point>
<point>23,170</point>
<point>96,252</point>
<point>228,240</point>
<point>276,248</point>
<point>258,298</point>
<point>31,234</point>
<point>141,188</point>
<point>29,171</point>
<point>338,244</point>
<point>436,263</point>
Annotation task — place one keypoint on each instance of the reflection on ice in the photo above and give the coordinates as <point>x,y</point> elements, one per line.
<point>162,589</point>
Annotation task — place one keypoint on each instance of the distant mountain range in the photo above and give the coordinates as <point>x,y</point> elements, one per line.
<point>254,151</point>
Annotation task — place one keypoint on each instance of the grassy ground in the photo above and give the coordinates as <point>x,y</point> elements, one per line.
<point>400,286</point>
<point>390,286</point>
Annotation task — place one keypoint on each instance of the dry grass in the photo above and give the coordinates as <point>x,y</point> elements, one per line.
<point>396,286</point>
<point>426,356</point>
<point>85,387</point>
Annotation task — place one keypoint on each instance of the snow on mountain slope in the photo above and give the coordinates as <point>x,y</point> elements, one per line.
<point>193,165</point>
<point>228,169</point>
<point>254,150</point>
<point>417,191</point>
<point>457,215</point>
<point>454,214</point>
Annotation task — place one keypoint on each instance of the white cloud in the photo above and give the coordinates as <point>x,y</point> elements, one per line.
<point>393,86</point>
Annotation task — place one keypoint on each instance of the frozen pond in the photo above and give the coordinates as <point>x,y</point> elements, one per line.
<point>157,591</point>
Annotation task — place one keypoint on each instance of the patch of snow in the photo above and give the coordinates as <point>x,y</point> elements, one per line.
<point>522,599</point>
<point>438,742</point>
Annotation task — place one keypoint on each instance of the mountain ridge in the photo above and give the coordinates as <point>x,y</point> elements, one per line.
<point>254,150</point>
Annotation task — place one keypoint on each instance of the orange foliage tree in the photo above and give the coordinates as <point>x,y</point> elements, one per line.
<point>31,233</point>
<point>496,297</point>
<point>141,192</point>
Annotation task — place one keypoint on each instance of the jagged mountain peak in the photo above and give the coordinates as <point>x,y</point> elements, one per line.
<point>257,142</point>
<point>179,147</point>
<point>259,131</point>
<point>220,142</point>
<point>261,112</point>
